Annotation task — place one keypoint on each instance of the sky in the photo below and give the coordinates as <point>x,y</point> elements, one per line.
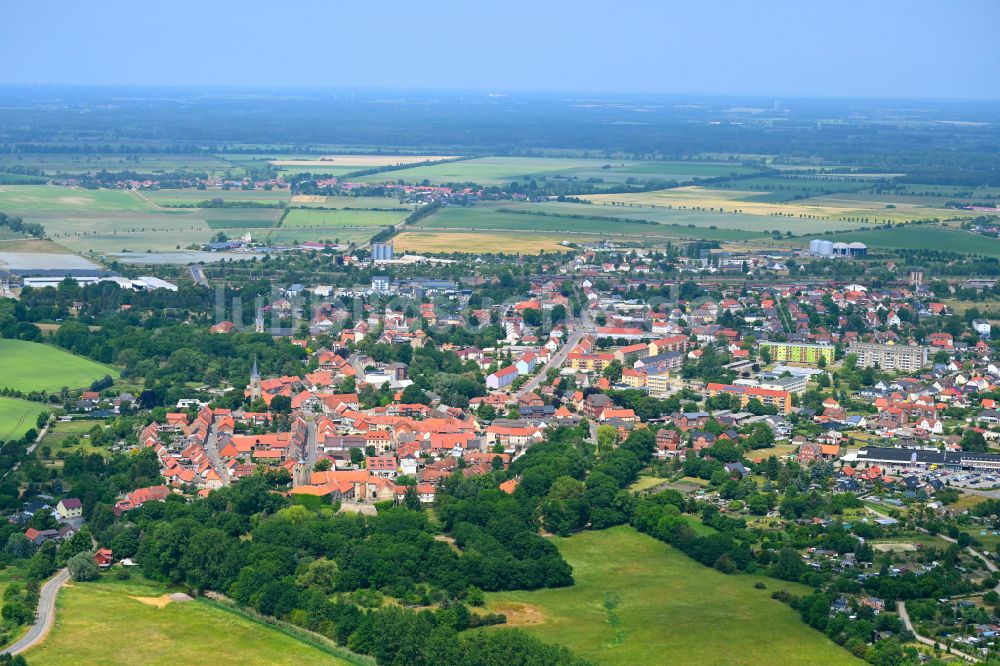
<point>794,48</point>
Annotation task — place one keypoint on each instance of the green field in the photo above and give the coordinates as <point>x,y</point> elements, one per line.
<point>343,235</point>
<point>777,189</point>
<point>17,417</point>
<point>670,609</point>
<point>76,163</point>
<point>31,366</point>
<point>312,217</point>
<point>25,199</point>
<point>193,196</point>
<point>923,237</point>
<point>686,224</point>
<point>103,623</point>
<point>500,170</point>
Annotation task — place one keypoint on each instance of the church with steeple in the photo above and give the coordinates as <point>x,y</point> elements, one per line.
<point>255,390</point>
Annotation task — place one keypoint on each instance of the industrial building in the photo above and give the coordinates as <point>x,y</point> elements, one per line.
<point>382,252</point>
<point>825,248</point>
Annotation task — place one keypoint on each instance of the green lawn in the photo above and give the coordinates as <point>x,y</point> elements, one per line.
<point>101,623</point>
<point>32,366</point>
<point>17,417</point>
<point>670,609</point>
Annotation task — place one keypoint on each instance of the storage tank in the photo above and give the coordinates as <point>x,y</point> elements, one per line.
<point>814,246</point>
<point>825,248</point>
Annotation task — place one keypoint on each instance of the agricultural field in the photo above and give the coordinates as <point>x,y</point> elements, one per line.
<point>27,199</point>
<point>193,196</point>
<point>650,599</point>
<point>485,242</point>
<point>75,163</point>
<point>17,417</point>
<point>320,201</point>
<point>93,620</point>
<point>312,217</point>
<point>747,202</point>
<point>923,237</point>
<point>33,366</point>
<point>501,170</point>
<point>342,235</point>
<point>356,162</point>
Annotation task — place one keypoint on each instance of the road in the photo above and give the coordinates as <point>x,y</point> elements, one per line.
<point>212,451</point>
<point>905,617</point>
<point>581,327</point>
<point>44,617</point>
<point>199,276</point>
<point>28,451</point>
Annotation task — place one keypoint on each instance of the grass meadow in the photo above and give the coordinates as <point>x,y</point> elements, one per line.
<point>635,597</point>
<point>124,623</point>
<point>33,366</point>
<point>17,417</point>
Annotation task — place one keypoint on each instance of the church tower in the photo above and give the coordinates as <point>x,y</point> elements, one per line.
<point>255,391</point>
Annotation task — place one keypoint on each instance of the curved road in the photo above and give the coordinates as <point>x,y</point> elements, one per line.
<point>44,617</point>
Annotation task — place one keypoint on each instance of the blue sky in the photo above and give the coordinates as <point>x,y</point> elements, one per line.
<point>837,48</point>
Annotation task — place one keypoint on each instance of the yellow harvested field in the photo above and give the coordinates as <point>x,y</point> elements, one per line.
<point>299,199</point>
<point>362,161</point>
<point>729,201</point>
<point>476,242</point>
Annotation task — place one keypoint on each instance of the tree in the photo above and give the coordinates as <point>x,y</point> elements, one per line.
<point>607,438</point>
<point>411,499</point>
<point>565,508</point>
<point>973,440</point>
<point>613,371</point>
<point>82,567</point>
<point>788,565</point>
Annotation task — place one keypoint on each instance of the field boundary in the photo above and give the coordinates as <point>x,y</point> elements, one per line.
<point>317,641</point>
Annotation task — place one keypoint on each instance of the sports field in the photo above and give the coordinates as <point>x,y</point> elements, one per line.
<point>32,366</point>
<point>17,417</point>
<point>635,596</point>
<point>113,622</point>
<point>311,217</point>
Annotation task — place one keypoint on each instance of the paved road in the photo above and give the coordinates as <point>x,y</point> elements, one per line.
<point>212,451</point>
<point>44,617</point>
<point>905,617</point>
<point>582,327</point>
<point>199,276</point>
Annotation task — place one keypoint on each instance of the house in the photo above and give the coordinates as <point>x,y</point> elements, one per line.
<point>69,508</point>
<point>104,557</point>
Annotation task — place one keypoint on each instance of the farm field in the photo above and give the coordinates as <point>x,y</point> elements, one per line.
<point>192,196</point>
<point>75,163</point>
<point>747,202</point>
<point>314,200</point>
<point>17,417</point>
<point>26,199</point>
<point>343,235</point>
<point>924,237</point>
<point>33,366</point>
<point>91,619</point>
<point>668,605</point>
<point>356,162</point>
<point>486,242</point>
<point>500,170</point>
<point>311,217</point>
